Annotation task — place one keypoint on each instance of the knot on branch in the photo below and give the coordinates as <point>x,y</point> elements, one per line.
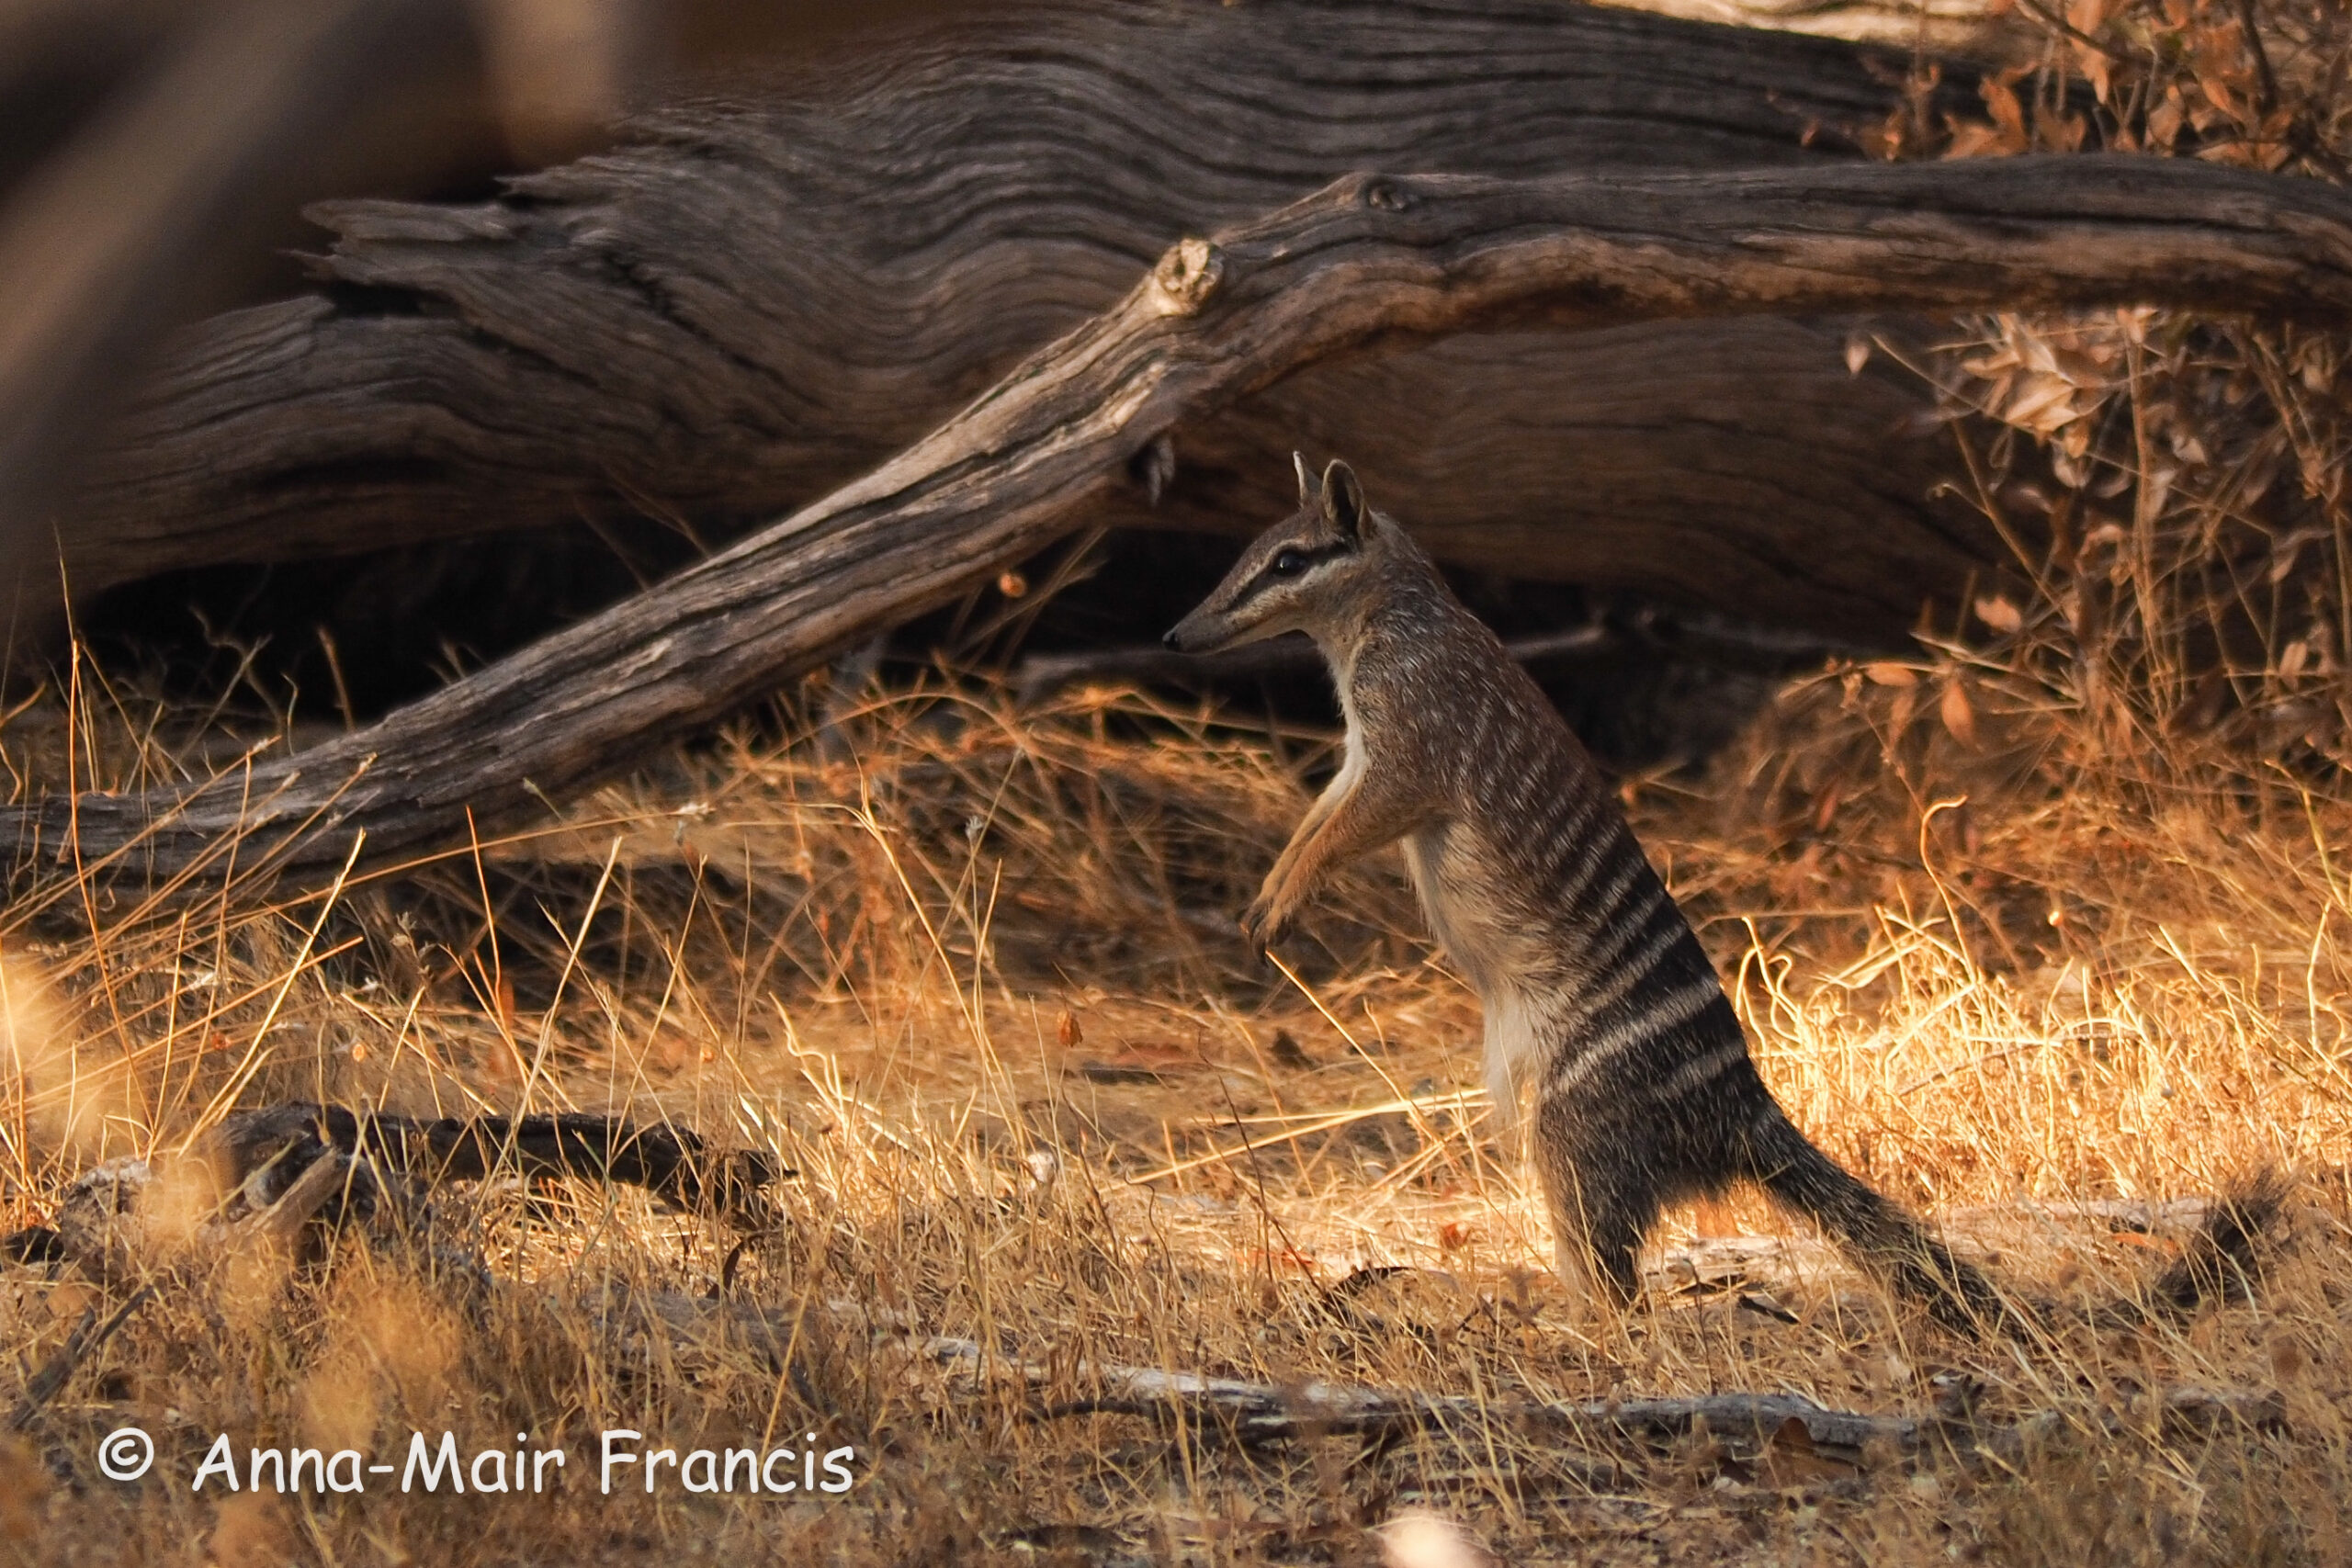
<point>1384,194</point>
<point>1187,276</point>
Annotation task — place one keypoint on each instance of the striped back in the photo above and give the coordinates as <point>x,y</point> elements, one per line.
<point>1531,877</point>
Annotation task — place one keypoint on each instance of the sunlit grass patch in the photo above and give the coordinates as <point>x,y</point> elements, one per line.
<point>969,970</point>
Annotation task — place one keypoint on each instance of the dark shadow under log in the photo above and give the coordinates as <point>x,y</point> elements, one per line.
<point>1372,259</point>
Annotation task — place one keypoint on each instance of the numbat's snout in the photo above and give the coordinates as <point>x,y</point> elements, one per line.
<point>1600,1003</point>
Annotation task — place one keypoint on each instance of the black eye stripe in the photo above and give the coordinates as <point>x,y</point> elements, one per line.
<point>1307,557</point>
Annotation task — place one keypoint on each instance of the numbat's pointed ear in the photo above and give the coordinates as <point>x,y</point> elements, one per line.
<point>1343,502</point>
<point>1305,480</point>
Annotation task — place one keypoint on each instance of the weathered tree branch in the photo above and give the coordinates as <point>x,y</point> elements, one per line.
<point>1258,1413</point>
<point>1261,1413</point>
<point>766,291</point>
<point>1247,1410</point>
<point>1973,28</point>
<point>1372,258</point>
<point>275,1167</point>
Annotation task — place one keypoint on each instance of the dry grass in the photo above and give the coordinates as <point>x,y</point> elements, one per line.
<point>969,970</point>
<point>2052,913</point>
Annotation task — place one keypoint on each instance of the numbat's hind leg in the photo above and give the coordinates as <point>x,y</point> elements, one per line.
<point>1603,1199</point>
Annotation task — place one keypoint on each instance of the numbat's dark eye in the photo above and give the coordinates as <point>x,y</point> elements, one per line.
<point>1289,563</point>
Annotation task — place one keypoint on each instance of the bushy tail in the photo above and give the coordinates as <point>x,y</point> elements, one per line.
<point>1785,1162</point>
<point>2217,1264</point>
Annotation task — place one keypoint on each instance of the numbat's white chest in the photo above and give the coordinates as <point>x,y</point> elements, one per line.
<point>1460,886</point>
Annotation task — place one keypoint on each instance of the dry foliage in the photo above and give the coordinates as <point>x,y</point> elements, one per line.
<point>971,971</point>
<point>2050,914</point>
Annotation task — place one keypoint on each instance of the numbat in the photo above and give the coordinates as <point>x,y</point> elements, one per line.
<point>1598,999</point>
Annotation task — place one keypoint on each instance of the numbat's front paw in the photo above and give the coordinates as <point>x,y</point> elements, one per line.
<point>1262,925</point>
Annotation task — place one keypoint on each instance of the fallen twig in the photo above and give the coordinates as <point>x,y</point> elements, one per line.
<point>88,1336</point>
<point>1261,1412</point>
<point>1252,1412</point>
<point>670,1162</point>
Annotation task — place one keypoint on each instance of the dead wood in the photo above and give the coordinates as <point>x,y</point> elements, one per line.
<point>1977,30</point>
<point>1260,1412</point>
<point>154,154</point>
<point>670,1162</point>
<point>279,1223</point>
<point>87,1338</point>
<point>766,291</point>
<point>1373,258</point>
<point>1249,1411</point>
<point>276,1169</point>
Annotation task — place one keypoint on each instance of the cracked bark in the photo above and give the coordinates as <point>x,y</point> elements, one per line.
<point>1372,257</point>
<point>764,294</point>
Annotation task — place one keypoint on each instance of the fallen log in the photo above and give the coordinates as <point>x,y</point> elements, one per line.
<point>154,155</point>
<point>1372,257</point>
<point>270,1172</point>
<point>764,293</point>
